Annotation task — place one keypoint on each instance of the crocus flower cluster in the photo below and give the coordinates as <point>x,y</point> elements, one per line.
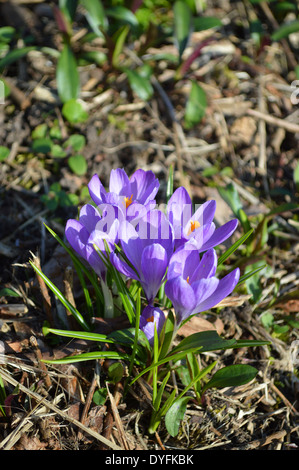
<point>176,246</point>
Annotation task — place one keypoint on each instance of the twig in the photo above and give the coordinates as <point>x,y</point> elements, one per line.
<point>288,126</point>
<point>114,402</point>
<point>52,407</point>
<point>39,357</point>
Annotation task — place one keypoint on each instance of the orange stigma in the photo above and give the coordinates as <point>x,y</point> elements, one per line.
<point>150,319</point>
<point>128,201</point>
<point>193,226</point>
<point>188,280</point>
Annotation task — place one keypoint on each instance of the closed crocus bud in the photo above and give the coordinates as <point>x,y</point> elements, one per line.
<point>151,317</point>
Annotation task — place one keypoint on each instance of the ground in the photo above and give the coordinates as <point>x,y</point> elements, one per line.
<point>247,137</point>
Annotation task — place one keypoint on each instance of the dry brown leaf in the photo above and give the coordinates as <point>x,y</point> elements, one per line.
<point>197,324</point>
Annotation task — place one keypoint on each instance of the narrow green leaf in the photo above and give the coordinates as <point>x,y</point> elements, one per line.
<point>182,25</point>
<point>90,356</point>
<point>61,297</point>
<point>196,105</point>
<point>67,76</point>
<point>86,335</point>
<point>122,15</point>
<point>285,30</point>
<point>203,23</point>
<point>78,264</point>
<point>119,39</point>
<point>234,247</point>
<point>15,55</point>
<point>169,189</point>
<point>95,15</point>
<point>232,376</point>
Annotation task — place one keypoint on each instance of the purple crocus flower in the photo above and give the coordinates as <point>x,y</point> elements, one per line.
<point>197,229</point>
<point>91,229</point>
<point>191,283</point>
<point>148,248</point>
<point>150,317</point>
<point>132,197</point>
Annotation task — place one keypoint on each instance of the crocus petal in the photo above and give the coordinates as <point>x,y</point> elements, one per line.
<point>119,182</point>
<point>77,236</point>
<point>89,217</point>
<point>207,266</point>
<point>225,287</point>
<point>153,266</point>
<point>221,234</point>
<point>183,263</point>
<point>150,317</point>
<point>144,186</point>
<point>96,190</point>
<point>203,289</point>
<point>123,267</point>
<point>179,211</point>
<point>182,297</point>
<point>203,216</point>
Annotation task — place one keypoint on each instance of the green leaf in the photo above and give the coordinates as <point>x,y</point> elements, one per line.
<point>6,34</point>
<point>78,264</point>
<point>231,196</point>
<point>68,7</point>
<point>67,76</point>
<point>85,335</point>
<point>196,105</point>
<point>76,142</point>
<point>231,376</point>
<point>78,164</point>
<point>40,131</point>
<point>74,112</point>
<point>7,292</point>
<point>15,55</point>
<point>175,414</point>
<point>285,30</point>
<point>182,25</point>
<point>57,151</point>
<point>166,334</point>
<point>90,356</point>
<point>42,145</point>
<point>206,22</point>
<point>61,297</point>
<point>95,15</point>
<point>4,152</point>
<point>119,39</point>
<point>140,85</point>
<point>203,341</point>
<point>99,396</point>
<point>122,15</point>
<point>234,247</point>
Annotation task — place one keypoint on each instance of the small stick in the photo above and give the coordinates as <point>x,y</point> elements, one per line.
<point>288,126</point>
<point>68,291</point>
<point>39,357</point>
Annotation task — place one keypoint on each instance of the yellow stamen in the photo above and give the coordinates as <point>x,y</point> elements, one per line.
<point>188,280</point>
<point>150,319</point>
<point>128,201</point>
<point>193,226</point>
